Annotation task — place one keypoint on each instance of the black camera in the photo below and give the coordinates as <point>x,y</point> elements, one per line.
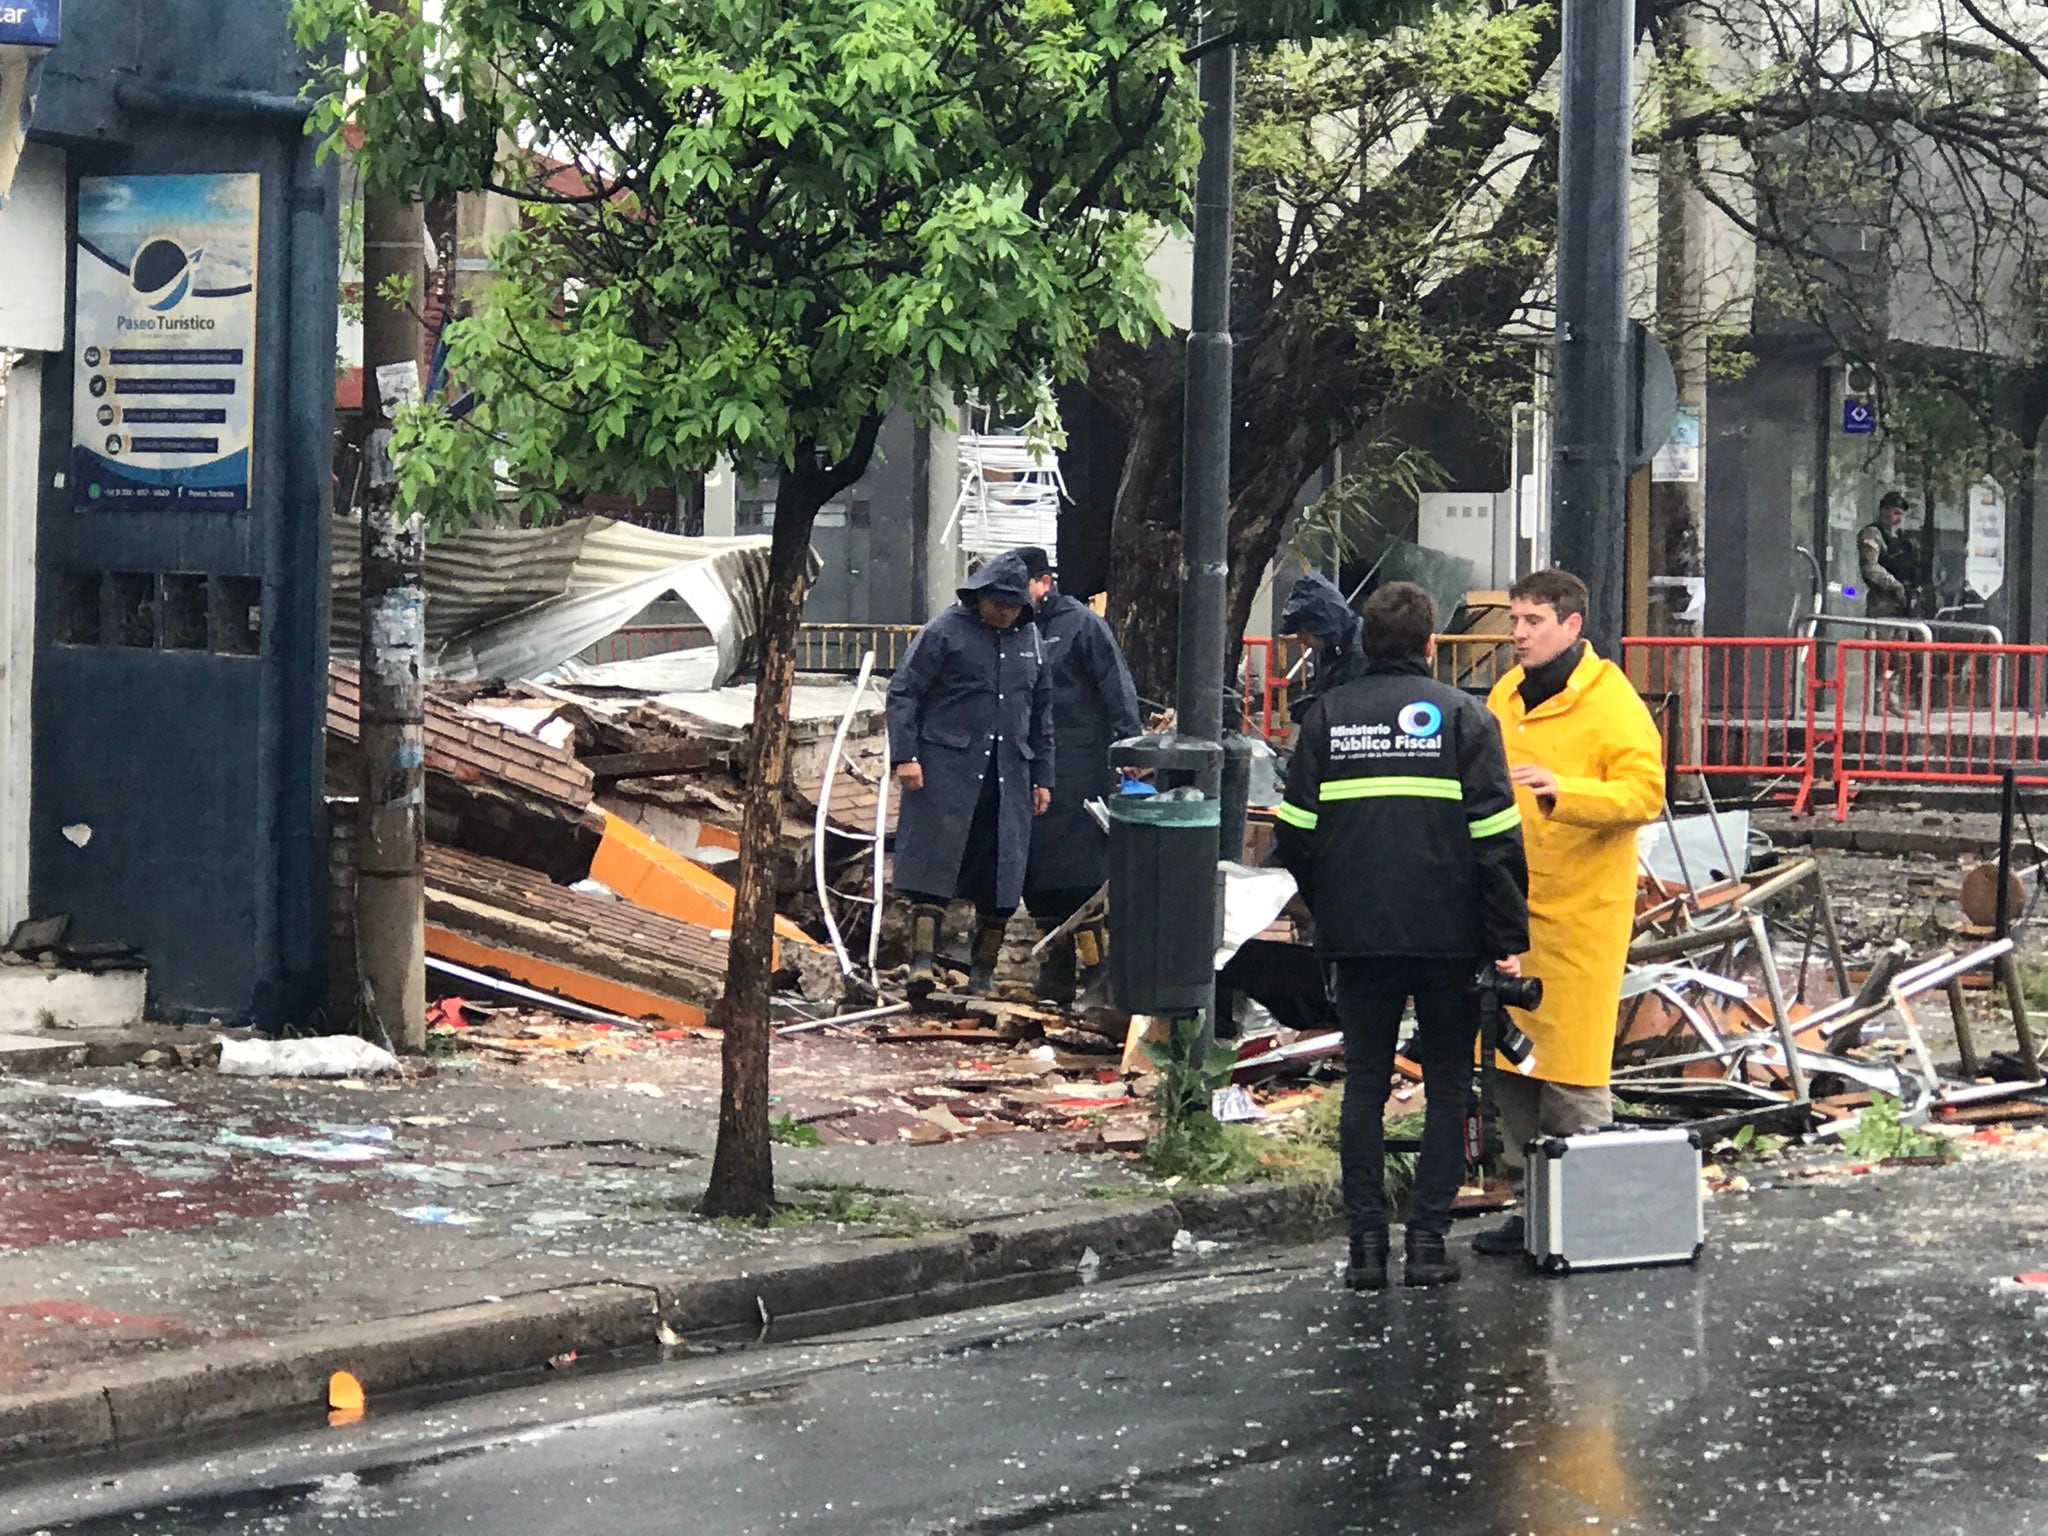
<point>1499,992</point>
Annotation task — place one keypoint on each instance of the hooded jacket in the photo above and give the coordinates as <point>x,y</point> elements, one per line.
<point>1400,825</point>
<point>1317,607</point>
<point>969,700</point>
<point>1094,704</point>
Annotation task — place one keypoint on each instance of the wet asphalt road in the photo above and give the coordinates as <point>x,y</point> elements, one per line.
<point>1850,1357</point>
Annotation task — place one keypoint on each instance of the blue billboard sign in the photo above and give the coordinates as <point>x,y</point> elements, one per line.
<point>29,23</point>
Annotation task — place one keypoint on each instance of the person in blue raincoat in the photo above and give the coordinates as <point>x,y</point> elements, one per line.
<point>1094,703</point>
<point>1318,615</point>
<point>970,733</point>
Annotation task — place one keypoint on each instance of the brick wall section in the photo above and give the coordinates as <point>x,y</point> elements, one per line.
<point>505,906</point>
<point>472,751</point>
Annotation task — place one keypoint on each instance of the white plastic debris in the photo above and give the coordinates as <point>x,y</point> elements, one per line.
<point>1090,1265</point>
<point>312,1151</point>
<point>115,1098</point>
<point>1044,1053</point>
<point>1183,1241</point>
<point>440,1216</point>
<point>1234,1105</point>
<point>324,1056</point>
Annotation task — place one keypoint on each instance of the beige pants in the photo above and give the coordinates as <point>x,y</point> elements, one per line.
<point>1530,1107</point>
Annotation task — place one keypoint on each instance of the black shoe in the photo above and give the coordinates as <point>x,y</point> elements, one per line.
<point>923,977</point>
<point>988,949</point>
<point>1091,953</point>
<point>1428,1263</point>
<point>1367,1270</point>
<point>1503,1241</point>
<point>1055,984</point>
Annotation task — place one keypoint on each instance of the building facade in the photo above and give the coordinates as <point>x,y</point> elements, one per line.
<point>171,245</point>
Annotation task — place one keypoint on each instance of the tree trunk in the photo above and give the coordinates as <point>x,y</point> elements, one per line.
<point>1267,474</point>
<point>1144,548</point>
<point>743,1167</point>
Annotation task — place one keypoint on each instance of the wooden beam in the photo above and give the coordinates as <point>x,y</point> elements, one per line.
<point>689,758</point>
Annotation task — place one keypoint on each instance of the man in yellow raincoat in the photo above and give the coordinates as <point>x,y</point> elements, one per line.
<point>1588,767</point>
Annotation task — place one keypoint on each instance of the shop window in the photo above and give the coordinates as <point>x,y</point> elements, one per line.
<point>238,615</point>
<point>183,607</point>
<point>78,608</point>
<point>128,609</point>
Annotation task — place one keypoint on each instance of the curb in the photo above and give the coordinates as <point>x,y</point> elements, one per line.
<point>822,1290</point>
<point>1895,841</point>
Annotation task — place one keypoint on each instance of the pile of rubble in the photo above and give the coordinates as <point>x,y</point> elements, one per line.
<point>582,834</point>
<point>576,843</point>
<point>1740,1005</point>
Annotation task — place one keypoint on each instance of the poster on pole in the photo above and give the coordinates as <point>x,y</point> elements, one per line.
<point>1984,555</point>
<point>163,397</point>
<point>1678,462</point>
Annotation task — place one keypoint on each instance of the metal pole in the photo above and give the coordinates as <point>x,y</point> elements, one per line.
<point>1595,403</point>
<point>1205,457</point>
<point>2008,802</point>
<point>391,869</point>
<point>1205,441</point>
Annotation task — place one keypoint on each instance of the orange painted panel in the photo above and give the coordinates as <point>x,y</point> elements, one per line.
<point>650,874</point>
<point>549,976</point>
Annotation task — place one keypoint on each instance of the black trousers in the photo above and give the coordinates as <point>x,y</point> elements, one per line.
<point>1369,997</point>
<point>980,859</point>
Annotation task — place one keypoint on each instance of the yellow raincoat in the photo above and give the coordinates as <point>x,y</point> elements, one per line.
<point>1600,742</point>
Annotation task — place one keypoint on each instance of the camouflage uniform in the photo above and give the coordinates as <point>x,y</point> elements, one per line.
<point>1890,565</point>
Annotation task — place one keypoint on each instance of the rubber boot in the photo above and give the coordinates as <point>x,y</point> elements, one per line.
<point>1091,953</point>
<point>1504,1241</point>
<point>988,949</point>
<point>1428,1263</point>
<point>1055,984</point>
<point>925,922</point>
<point>1367,1270</point>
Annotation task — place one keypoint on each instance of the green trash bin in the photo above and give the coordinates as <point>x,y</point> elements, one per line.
<point>1163,909</point>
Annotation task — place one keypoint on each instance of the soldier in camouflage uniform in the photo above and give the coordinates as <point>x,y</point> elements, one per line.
<point>1890,562</point>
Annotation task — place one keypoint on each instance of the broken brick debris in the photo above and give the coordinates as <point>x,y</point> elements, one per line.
<point>498,916</point>
<point>470,750</point>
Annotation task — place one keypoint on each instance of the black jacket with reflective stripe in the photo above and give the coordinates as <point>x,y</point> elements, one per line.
<point>1400,824</point>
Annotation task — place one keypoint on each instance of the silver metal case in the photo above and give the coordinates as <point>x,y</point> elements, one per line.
<point>1617,1198</point>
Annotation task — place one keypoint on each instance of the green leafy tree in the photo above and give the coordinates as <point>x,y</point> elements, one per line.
<point>1396,197</point>
<point>750,231</point>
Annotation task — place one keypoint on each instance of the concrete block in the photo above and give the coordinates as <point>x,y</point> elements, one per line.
<point>29,1052</point>
<point>60,1420</point>
<point>30,995</point>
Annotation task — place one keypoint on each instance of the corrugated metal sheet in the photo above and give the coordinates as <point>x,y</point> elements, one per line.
<point>512,603</point>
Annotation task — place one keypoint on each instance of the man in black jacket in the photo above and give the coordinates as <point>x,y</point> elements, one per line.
<point>970,732</point>
<point>1400,828</point>
<point>1094,705</point>
<point>1320,617</point>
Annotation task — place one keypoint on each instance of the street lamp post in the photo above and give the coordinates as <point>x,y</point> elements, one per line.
<point>1205,429</point>
<point>1594,402</point>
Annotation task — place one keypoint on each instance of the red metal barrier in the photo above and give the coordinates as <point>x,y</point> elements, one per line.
<point>1907,713</point>
<point>1265,688</point>
<point>1757,708</point>
<point>1739,705</point>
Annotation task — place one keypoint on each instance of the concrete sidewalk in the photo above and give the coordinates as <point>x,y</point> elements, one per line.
<point>180,1249</point>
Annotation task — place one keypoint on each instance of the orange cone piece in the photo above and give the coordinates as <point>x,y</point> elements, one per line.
<point>345,1398</point>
